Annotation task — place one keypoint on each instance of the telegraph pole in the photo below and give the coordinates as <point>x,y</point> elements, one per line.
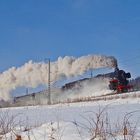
<point>49,82</point>
<point>27,91</point>
<point>91,74</point>
<point>49,85</point>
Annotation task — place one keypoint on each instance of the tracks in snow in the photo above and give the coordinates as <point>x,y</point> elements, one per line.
<point>110,96</point>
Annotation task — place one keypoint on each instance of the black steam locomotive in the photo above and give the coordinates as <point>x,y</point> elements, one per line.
<point>120,82</point>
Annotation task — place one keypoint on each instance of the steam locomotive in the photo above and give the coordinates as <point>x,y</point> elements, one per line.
<point>120,82</point>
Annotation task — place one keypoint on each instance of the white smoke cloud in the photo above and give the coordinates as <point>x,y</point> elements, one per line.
<point>87,88</point>
<point>33,74</point>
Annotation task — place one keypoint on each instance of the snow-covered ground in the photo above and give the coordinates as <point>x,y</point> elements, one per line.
<point>74,121</point>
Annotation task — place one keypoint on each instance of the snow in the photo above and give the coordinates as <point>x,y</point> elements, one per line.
<point>69,121</point>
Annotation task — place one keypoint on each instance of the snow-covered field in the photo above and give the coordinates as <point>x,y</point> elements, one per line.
<point>77,121</point>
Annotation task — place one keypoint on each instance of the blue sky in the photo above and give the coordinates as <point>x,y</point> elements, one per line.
<point>39,29</point>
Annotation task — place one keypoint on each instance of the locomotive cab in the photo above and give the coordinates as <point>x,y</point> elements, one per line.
<point>120,83</point>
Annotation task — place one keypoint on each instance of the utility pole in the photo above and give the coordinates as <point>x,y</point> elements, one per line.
<point>27,91</point>
<point>49,85</point>
<point>91,74</point>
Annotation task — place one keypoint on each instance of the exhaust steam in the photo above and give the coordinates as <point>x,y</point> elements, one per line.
<point>33,74</point>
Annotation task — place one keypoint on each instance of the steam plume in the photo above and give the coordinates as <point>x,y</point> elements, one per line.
<point>33,74</point>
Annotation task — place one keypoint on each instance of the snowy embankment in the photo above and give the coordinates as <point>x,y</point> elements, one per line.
<point>74,121</point>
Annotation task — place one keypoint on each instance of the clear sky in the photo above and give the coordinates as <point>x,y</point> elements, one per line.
<point>39,29</point>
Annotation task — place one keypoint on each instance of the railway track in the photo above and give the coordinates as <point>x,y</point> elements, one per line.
<point>109,96</point>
